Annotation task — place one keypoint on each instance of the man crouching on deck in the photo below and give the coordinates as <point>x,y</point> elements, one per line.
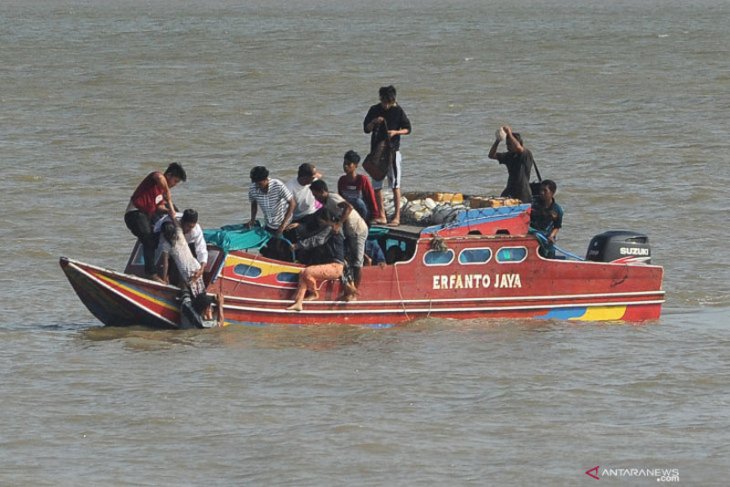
<point>353,226</point>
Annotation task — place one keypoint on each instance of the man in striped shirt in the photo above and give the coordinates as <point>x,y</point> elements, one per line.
<point>276,201</point>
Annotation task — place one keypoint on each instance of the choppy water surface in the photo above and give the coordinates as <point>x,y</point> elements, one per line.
<point>624,104</point>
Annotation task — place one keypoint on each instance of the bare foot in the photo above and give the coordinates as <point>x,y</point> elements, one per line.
<point>350,292</point>
<point>380,221</point>
<point>296,307</point>
<point>157,278</point>
<point>394,223</point>
<point>311,297</point>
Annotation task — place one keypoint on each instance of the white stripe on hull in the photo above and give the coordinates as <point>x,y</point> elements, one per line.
<point>432,310</point>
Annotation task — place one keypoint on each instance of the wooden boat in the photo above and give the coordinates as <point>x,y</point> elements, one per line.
<point>482,263</point>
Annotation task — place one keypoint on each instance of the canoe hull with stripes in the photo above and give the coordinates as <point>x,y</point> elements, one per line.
<point>118,299</point>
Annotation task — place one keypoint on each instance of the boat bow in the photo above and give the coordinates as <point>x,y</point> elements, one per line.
<point>119,299</point>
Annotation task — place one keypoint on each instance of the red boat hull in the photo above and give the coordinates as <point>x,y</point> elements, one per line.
<point>533,288</point>
<point>481,265</point>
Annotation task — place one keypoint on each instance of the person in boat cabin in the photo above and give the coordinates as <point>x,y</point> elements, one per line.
<point>388,111</point>
<point>356,188</point>
<point>306,205</point>
<point>353,226</point>
<point>374,253</point>
<point>329,243</point>
<point>273,197</point>
<point>199,312</point>
<point>546,216</point>
<point>192,232</point>
<point>519,162</point>
<point>150,200</point>
<point>173,246</point>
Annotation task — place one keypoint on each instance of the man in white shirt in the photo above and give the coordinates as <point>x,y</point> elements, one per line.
<point>299,187</point>
<point>193,235</point>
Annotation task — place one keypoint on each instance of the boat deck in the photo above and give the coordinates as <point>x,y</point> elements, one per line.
<point>402,230</point>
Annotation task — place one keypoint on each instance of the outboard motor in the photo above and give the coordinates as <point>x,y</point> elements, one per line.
<point>619,244</point>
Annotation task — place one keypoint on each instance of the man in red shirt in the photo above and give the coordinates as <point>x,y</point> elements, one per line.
<point>149,201</point>
<point>356,188</point>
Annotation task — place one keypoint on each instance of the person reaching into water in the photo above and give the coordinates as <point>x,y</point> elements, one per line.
<point>388,111</point>
<point>150,200</point>
<point>193,234</point>
<point>173,246</point>
<point>199,311</point>
<point>546,217</point>
<point>519,162</point>
<point>356,188</point>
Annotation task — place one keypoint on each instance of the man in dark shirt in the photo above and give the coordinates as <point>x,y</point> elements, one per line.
<point>546,217</point>
<point>389,112</point>
<point>519,162</point>
<point>330,245</point>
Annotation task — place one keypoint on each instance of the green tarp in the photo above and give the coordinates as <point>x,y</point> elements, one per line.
<point>238,237</point>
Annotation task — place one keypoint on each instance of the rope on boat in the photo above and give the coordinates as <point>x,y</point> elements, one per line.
<point>402,301</point>
<point>544,242</point>
<point>288,243</point>
<point>438,244</point>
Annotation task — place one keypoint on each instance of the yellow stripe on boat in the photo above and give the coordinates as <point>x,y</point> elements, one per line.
<point>128,289</point>
<point>603,313</point>
<point>267,268</point>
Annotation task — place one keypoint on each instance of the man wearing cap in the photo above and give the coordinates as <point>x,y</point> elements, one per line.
<point>276,201</point>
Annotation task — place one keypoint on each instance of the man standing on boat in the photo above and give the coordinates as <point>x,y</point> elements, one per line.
<point>389,112</point>
<point>150,200</point>
<point>519,162</point>
<point>276,201</point>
